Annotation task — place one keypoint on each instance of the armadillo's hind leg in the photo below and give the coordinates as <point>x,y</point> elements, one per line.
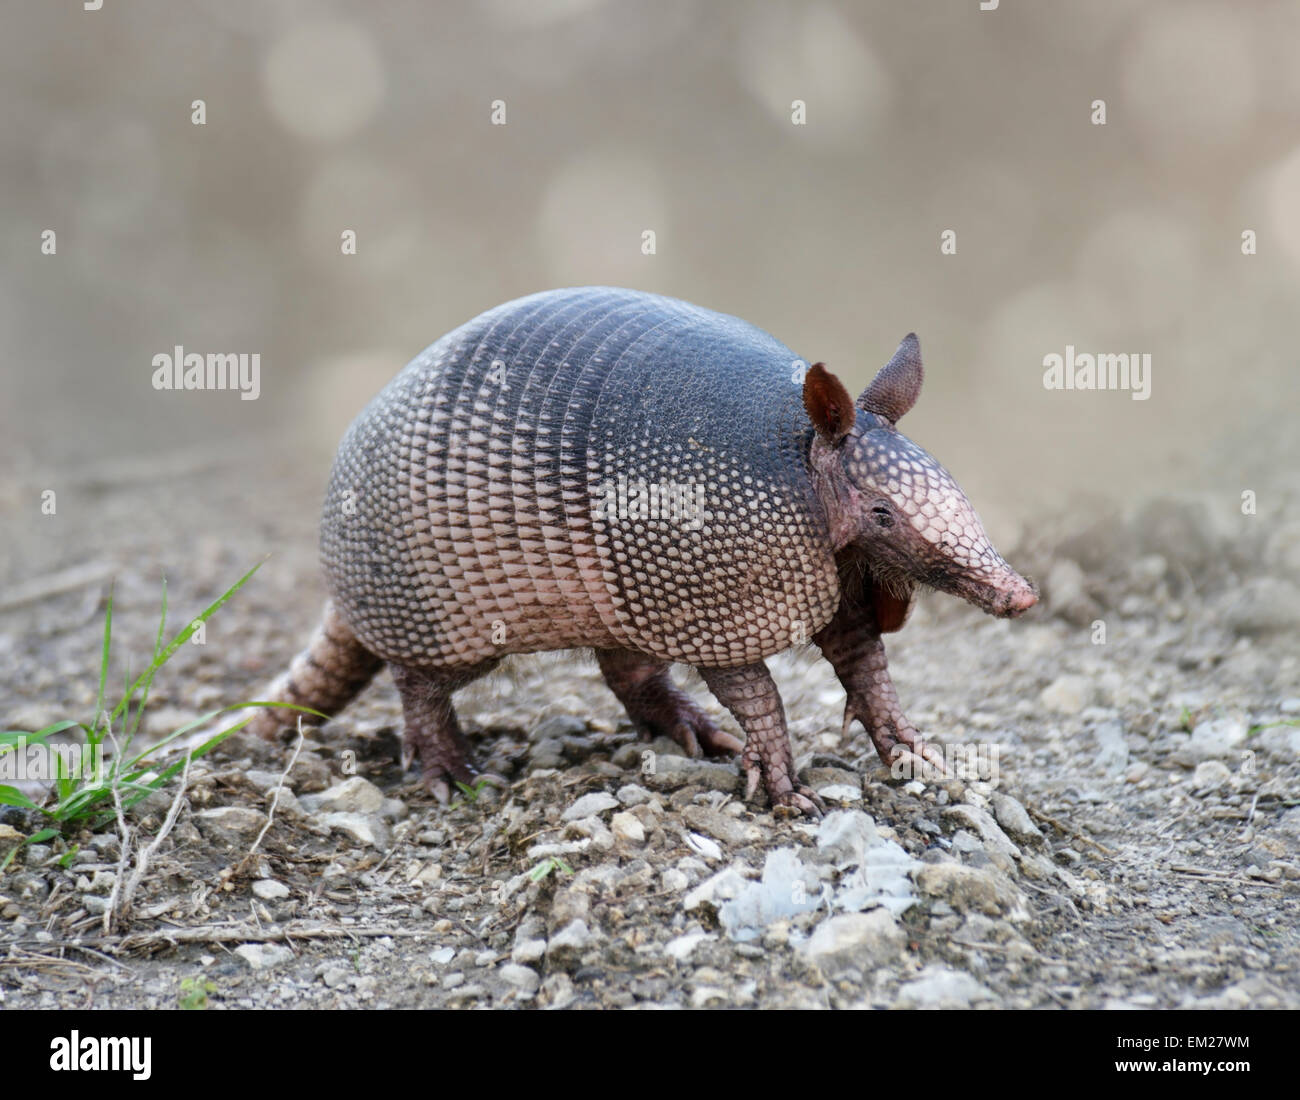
<point>751,695</point>
<point>432,731</point>
<point>657,707</point>
<point>326,676</point>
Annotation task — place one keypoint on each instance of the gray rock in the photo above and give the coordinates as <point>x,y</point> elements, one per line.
<point>786,889</point>
<point>972,889</point>
<point>263,956</point>
<point>36,855</point>
<point>596,830</point>
<point>720,826</point>
<point>523,978</point>
<point>547,754</point>
<point>849,839</point>
<point>527,952</point>
<point>713,892</point>
<point>557,728</point>
<point>1280,742</point>
<point>840,792</point>
<point>704,846</point>
<point>394,809</point>
<point>334,977</point>
<point>981,821</point>
<point>632,795</point>
<point>670,772</point>
<point>627,829</point>
<point>354,795</point>
<point>681,947</point>
<point>557,991</point>
<point>1112,748</point>
<point>1262,606</point>
<point>704,995</point>
<point>855,941</point>
<point>263,780</point>
<point>230,825</point>
<point>1211,775</point>
<point>939,987</point>
<point>1015,819</point>
<point>1067,694</point>
<point>673,881</point>
<point>362,828</point>
<point>567,945</point>
<point>1212,739</point>
<point>102,882</point>
<point>270,890</point>
<point>285,801</point>
<point>597,802</point>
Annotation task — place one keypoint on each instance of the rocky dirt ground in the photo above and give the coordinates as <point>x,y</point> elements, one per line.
<point>1137,846</point>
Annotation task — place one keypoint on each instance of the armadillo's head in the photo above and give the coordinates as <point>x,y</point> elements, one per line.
<point>892,505</point>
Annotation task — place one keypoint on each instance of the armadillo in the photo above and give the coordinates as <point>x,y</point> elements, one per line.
<point>618,471</point>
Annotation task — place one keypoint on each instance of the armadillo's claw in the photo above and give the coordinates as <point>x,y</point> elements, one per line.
<point>802,801</point>
<point>897,743</point>
<point>926,764</point>
<point>787,799</point>
<point>676,715</point>
<point>658,707</point>
<point>685,736</point>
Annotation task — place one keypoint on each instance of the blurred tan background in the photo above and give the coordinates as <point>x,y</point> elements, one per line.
<point>674,117</point>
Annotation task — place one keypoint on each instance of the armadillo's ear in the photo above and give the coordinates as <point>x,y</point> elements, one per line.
<point>829,405</point>
<point>895,389</point>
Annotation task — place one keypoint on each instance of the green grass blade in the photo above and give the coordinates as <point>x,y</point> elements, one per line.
<point>1272,725</point>
<point>134,723</point>
<point>204,719</point>
<point>103,661</point>
<point>162,657</point>
<point>12,796</point>
<point>9,738</point>
<point>62,780</point>
<point>162,620</point>
<point>142,790</point>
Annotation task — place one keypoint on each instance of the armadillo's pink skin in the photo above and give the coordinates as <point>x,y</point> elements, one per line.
<point>486,501</point>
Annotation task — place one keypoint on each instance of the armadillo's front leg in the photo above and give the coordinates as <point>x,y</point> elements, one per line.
<point>656,706</point>
<point>851,642</point>
<point>432,731</point>
<point>751,696</point>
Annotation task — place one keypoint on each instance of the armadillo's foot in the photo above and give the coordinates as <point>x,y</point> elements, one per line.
<point>433,734</point>
<point>658,708</point>
<point>898,745</point>
<point>751,696</point>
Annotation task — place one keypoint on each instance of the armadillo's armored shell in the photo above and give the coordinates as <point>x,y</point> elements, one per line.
<point>585,467</point>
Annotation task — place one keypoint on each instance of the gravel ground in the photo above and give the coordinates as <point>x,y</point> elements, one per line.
<point>1135,847</point>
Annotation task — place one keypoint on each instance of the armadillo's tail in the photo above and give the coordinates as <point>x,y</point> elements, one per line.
<point>326,676</point>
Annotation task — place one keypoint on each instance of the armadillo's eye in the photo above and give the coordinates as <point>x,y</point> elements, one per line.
<point>883,514</point>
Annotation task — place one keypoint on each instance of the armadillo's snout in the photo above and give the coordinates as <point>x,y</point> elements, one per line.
<point>1016,596</point>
